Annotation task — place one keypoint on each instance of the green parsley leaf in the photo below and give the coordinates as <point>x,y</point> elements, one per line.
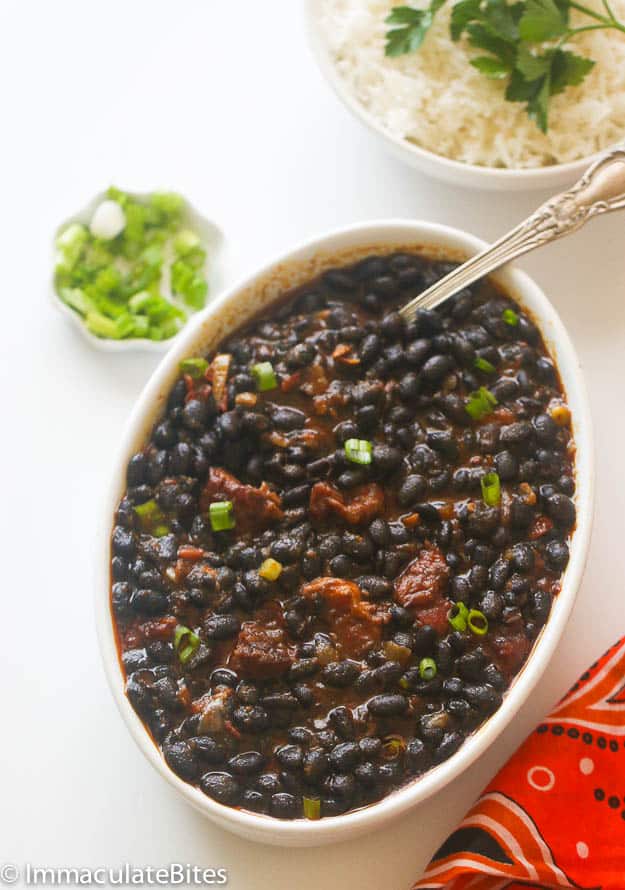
<point>491,67</point>
<point>517,36</point>
<point>542,20</point>
<point>537,107</point>
<point>412,26</point>
<point>568,69</point>
<point>463,12</point>
<point>532,65</point>
<point>482,37</point>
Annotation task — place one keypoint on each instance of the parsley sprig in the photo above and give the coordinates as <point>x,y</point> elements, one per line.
<point>524,43</point>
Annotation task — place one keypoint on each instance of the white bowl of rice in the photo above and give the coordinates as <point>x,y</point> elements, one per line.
<point>442,116</point>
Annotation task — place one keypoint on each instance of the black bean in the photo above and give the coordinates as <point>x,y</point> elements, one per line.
<point>498,573</point>
<point>342,721</point>
<point>268,783</point>
<point>436,367</point>
<point>376,587</point>
<point>290,757</point>
<point>521,513</point>
<point>149,602</point>
<point>557,553</point>
<point>491,605</point>
<point>345,756</point>
<point>120,596</point>
<point>195,415</point>
<point>221,787</point>
<point>286,418</point>
<point>562,510</point>
<point>450,743</point>
<point>388,674</point>
<point>223,677</point>
<point>411,490</point>
<point>160,651</point>
<point>366,774</point>
<point>247,763</point>
<point>339,673</point>
<point>417,756</point>
<point>424,639</point>
<point>340,785</point>
<point>135,659</point>
<point>315,765</point>
<point>251,718</point>
<point>387,705</point>
<point>523,557</point>
<point>507,466</point>
<point>516,433</point>
<point>221,627</point>
<point>370,348</point>
<point>541,605</point>
<point>136,470</point>
<point>123,542</point>
<point>444,442</point>
<point>253,800</point>
<point>208,749</point>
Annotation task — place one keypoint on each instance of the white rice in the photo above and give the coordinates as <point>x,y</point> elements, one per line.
<point>435,99</point>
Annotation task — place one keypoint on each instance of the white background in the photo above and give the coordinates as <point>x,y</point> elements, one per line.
<point>222,101</point>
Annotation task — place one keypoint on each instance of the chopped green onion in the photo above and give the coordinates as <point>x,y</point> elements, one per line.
<point>457,616</point>
<point>71,242</point>
<point>152,518</point>
<point>168,203</point>
<point>491,489</point>
<point>481,403</point>
<point>482,364</point>
<point>77,299</point>
<point>358,450</point>
<point>186,642</point>
<point>312,807</point>
<point>477,622</point>
<point>149,510</point>
<point>270,569</point>
<point>114,276</point>
<point>510,317</point>
<point>265,376</point>
<point>427,669</point>
<point>220,515</point>
<point>185,242</point>
<point>194,367</point>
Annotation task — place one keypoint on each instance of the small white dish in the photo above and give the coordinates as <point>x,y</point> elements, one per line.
<point>226,313</point>
<point>554,177</point>
<point>211,238</point>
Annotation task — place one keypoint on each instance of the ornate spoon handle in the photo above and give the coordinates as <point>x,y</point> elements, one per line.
<point>600,190</point>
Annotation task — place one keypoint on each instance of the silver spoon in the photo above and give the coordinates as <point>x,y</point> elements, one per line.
<point>600,190</point>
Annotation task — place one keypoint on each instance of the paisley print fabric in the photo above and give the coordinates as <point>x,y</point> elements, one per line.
<point>554,816</point>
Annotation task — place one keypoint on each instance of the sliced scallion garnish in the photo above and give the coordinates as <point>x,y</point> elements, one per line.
<point>477,622</point>
<point>480,403</point>
<point>312,807</point>
<point>221,516</point>
<point>427,669</point>
<point>457,616</point>
<point>510,317</point>
<point>265,376</point>
<point>491,489</point>
<point>358,451</point>
<point>186,642</point>
<point>194,367</point>
<point>482,364</point>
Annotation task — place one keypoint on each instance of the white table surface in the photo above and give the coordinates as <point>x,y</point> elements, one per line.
<point>222,101</point>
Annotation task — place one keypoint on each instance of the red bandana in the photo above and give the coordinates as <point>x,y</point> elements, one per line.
<point>555,814</point>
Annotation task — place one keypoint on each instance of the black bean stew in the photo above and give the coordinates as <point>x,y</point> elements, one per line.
<point>341,540</point>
